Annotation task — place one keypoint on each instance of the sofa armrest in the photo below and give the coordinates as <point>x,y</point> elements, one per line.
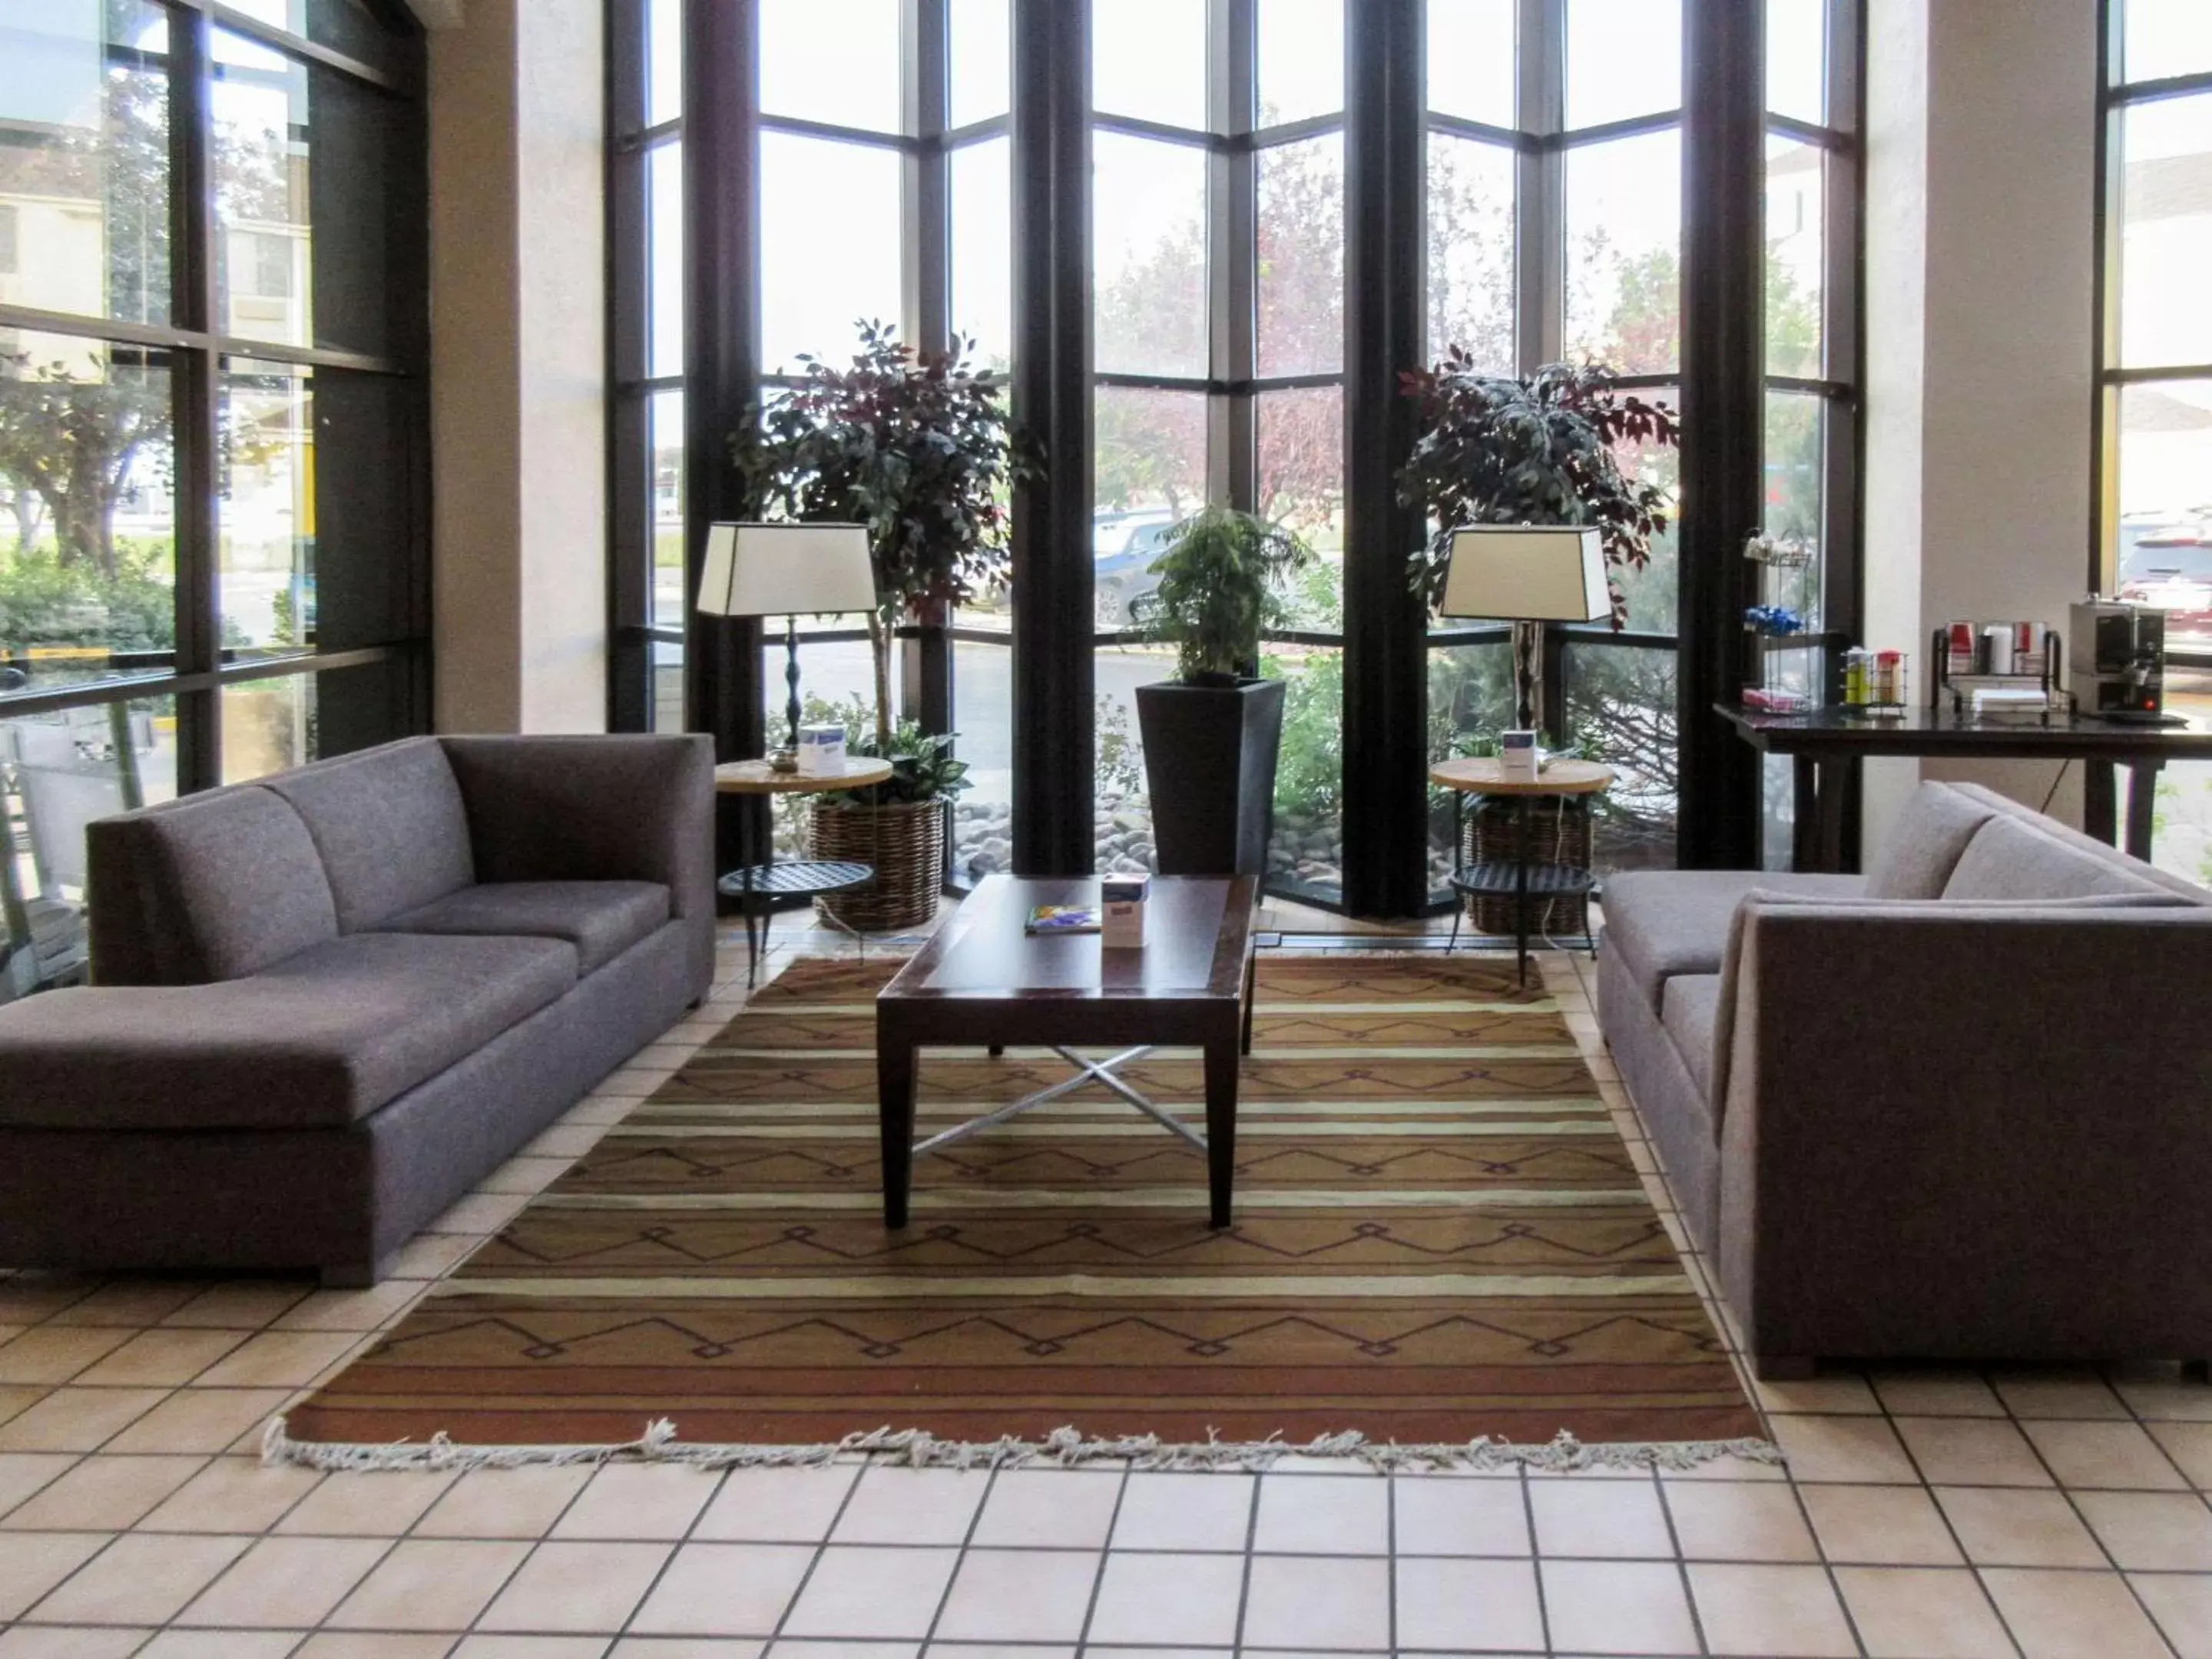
<point>1968,1130</point>
<point>616,808</point>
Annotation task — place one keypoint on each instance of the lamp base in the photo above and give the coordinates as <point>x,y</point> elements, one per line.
<point>785,759</point>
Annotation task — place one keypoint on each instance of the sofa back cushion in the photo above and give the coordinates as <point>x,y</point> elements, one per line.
<point>2008,859</point>
<point>389,825</point>
<point>1924,847</point>
<point>212,887</point>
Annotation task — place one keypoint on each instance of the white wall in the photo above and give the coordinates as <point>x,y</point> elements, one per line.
<point>1981,335</point>
<point>517,366</point>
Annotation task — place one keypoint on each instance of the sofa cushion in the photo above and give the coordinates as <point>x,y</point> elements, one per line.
<point>2067,836</point>
<point>389,825</point>
<point>1665,922</point>
<point>601,919</point>
<point>212,887</point>
<point>1924,847</point>
<point>2008,859</point>
<point>322,1039</point>
<point>1690,1010</point>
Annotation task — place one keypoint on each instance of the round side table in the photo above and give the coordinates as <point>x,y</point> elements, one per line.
<point>1522,879</point>
<point>756,886</point>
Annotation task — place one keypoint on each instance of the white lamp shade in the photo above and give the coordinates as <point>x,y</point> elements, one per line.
<point>786,569</point>
<point>1528,573</point>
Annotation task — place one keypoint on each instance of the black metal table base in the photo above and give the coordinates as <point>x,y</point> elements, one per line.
<point>756,886</point>
<point>1519,879</point>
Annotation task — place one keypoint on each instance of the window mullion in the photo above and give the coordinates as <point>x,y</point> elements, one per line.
<point>1539,199</point>
<point>195,383</point>
<point>1232,251</point>
<point>926,196</point>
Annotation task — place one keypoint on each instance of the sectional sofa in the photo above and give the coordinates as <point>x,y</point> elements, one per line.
<point>1959,1108</point>
<point>327,1002</point>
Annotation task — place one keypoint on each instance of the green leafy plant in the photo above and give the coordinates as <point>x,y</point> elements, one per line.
<point>922,765</point>
<point>915,445</point>
<point>1119,766</point>
<point>1542,449</point>
<point>1309,766</point>
<point>1222,576</point>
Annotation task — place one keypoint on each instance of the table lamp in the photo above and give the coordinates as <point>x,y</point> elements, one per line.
<point>1528,574</point>
<point>786,570</point>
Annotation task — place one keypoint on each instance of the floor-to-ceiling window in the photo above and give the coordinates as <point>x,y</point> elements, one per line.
<point>1217,272</point>
<point>1554,183</point>
<point>1809,491</point>
<point>2154,531</point>
<point>212,415</point>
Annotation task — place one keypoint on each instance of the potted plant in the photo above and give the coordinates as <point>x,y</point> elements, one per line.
<point>917,446</point>
<point>1213,735</point>
<point>1540,449</point>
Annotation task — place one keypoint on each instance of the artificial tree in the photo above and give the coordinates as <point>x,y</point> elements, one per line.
<point>915,445</point>
<point>917,448</point>
<point>1538,449</point>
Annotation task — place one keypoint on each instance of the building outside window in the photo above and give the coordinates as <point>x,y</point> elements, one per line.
<point>2154,530</point>
<point>212,414</point>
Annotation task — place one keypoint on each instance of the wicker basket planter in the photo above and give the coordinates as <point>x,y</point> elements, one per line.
<point>1493,836</point>
<point>905,842</point>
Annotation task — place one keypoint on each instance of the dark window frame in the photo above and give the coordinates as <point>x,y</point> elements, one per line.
<point>1725,123</point>
<point>2115,97</point>
<point>197,348</point>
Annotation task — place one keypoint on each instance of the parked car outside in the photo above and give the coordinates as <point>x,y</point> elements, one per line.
<point>1123,544</point>
<point>2168,566</point>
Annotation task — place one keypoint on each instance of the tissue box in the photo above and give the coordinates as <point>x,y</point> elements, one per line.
<point>1517,755</point>
<point>1122,903</point>
<point>821,751</point>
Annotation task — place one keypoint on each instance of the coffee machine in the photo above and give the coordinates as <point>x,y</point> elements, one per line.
<point>2116,661</point>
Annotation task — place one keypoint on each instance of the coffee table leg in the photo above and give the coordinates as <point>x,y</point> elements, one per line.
<point>1221,1068</point>
<point>895,1087</point>
<point>1251,994</point>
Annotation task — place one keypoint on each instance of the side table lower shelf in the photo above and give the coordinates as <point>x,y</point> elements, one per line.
<point>1526,883</point>
<point>753,884</point>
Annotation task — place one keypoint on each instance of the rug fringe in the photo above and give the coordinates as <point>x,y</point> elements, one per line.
<point>1063,1448</point>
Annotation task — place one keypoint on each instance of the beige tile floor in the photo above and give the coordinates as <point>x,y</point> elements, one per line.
<point>2038,1514</point>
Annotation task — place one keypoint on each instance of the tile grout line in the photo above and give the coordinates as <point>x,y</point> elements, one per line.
<point>2096,1537</point>
<point>959,1557</point>
<point>1927,1486</point>
<point>1535,1557</point>
<point>1827,1567</point>
<point>1682,1565</point>
<point>821,1548</point>
<point>1105,1555</point>
<point>1244,1577</point>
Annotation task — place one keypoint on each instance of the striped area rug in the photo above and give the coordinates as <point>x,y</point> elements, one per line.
<point>1439,1237</point>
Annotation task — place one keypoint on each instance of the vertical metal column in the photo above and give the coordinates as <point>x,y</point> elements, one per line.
<point>194,389</point>
<point>925,660</point>
<point>1055,743</point>
<point>1385,629</point>
<point>1232,205</point>
<point>721,305</point>
<point>1723,400</point>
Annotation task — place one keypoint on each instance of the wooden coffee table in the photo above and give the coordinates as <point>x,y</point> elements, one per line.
<point>984,980</point>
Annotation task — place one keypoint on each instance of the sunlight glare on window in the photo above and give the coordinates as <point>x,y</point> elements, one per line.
<point>2162,37</point>
<point>1300,44</point>
<point>1797,59</point>
<point>1148,61</point>
<point>1623,59</point>
<point>832,60</point>
<point>1471,66</point>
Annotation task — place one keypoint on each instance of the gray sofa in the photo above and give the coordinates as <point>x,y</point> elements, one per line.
<point>1956,1109</point>
<point>327,1002</point>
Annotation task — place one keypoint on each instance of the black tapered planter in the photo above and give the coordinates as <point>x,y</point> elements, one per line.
<point>1210,756</point>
